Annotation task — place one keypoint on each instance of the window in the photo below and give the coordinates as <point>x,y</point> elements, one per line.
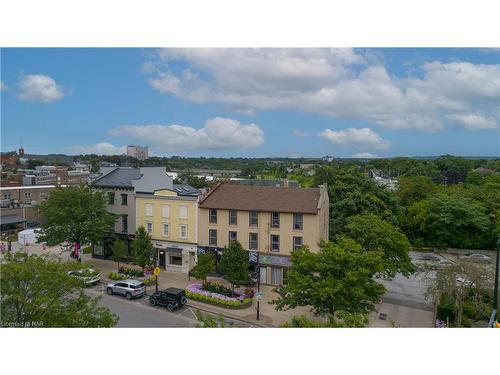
<point>111,197</point>
<point>149,227</point>
<point>6,196</point>
<point>298,221</point>
<point>175,260</point>
<point>124,223</point>
<point>275,242</point>
<point>212,237</point>
<point>149,209</point>
<point>253,218</point>
<point>183,212</point>
<point>297,242</point>
<point>252,241</point>
<point>233,217</point>
<point>27,194</point>
<point>124,199</point>
<point>276,275</point>
<point>275,220</point>
<point>213,216</point>
<point>165,210</point>
<point>43,196</point>
<point>166,230</point>
<point>233,236</point>
<point>183,231</point>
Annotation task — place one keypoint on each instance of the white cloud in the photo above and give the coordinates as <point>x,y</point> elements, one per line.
<point>340,83</point>
<point>357,137</point>
<point>365,155</point>
<point>217,134</point>
<point>3,86</point>
<point>474,122</point>
<point>300,133</point>
<point>39,88</point>
<point>103,148</point>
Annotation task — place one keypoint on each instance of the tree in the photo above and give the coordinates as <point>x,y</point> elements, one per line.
<point>143,248</point>
<point>375,234</point>
<point>234,265</point>
<point>448,220</point>
<point>413,189</point>
<point>204,267</point>
<point>75,214</point>
<point>352,193</point>
<point>461,282</point>
<point>38,289</point>
<point>118,251</point>
<point>336,280</point>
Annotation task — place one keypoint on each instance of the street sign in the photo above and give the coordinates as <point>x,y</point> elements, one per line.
<point>258,295</point>
<point>156,272</point>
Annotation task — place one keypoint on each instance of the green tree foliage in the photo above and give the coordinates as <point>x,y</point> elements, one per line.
<point>344,320</point>
<point>204,267</point>
<point>352,193</point>
<point>75,214</point>
<point>234,265</point>
<point>39,289</point>
<point>453,169</point>
<point>413,189</point>
<point>336,280</point>
<point>143,248</point>
<point>208,321</point>
<point>445,220</point>
<point>375,234</point>
<point>118,251</point>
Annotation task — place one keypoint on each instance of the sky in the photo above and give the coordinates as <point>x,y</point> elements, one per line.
<point>252,102</point>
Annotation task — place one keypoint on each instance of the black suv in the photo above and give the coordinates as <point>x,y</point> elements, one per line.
<point>172,298</point>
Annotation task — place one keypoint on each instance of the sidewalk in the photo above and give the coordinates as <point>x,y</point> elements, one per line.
<point>269,317</point>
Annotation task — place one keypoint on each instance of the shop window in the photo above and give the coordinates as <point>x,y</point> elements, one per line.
<point>175,260</point>
<point>277,275</point>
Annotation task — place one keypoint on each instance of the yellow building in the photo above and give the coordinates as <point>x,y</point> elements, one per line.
<point>269,222</point>
<point>171,219</point>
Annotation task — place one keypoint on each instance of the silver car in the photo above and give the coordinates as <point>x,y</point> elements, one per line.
<point>477,258</point>
<point>128,288</point>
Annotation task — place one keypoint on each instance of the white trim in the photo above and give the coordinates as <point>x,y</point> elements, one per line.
<point>180,231</point>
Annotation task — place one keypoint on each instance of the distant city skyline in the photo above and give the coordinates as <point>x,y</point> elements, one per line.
<point>252,102</point>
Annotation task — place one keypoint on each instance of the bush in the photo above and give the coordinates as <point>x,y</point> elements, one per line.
<point>149,281</point>
<point>217,288</point>
<point>117,276</point>
<point>131,272</point>
<point>87,250</point>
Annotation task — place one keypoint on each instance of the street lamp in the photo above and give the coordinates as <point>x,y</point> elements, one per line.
<point>494,314</point>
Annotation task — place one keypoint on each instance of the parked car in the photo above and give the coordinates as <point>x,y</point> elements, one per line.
<point>172,298</point>
<point>430,257</point>
<point>477,258</point>
<point>129,288</point>
<point>443,263</point>
<point>88,276</point>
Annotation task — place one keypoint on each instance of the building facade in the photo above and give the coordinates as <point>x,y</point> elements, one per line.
<point>269,222</point>
<point>120,184</point>
<point>170,216</point>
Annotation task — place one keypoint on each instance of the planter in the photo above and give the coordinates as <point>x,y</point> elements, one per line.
<point>195,293</point>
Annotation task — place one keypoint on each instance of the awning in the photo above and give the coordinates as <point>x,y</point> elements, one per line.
<point>11,219</point>
<point>174,250</point>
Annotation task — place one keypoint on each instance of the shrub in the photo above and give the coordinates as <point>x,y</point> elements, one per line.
<point>131,272</point>
<point>116,276</point>
<point>195,292</point>
<point>149,281</point>
<point>87,250</point>
<point>217,288</point>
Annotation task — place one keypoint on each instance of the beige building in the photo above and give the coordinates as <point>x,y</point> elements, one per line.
<point>170,216</point>
<point>269,222</point>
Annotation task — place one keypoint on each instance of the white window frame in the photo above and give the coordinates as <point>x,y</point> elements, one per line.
<point>301,244</point>
<point>296,215</point>
<point>147,225</point>
<point>279,240</point>
<point>182,210</point>
<point>250,242</point>
<point>210,238</point>
<point>165,210</point>
<point>180,231</point>
<point>147,212</point>
<point>163,230</point>
<point>235,217</point>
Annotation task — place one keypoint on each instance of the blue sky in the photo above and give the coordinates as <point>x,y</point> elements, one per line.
<point>247,102</point>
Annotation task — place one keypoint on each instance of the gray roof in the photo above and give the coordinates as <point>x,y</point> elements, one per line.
<point>185,189</point>
<point>11,219</point>
<point>121,177</point>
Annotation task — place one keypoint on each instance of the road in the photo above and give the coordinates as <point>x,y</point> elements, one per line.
<point>139,314</point>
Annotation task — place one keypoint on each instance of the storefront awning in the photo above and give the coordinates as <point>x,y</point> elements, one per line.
<point>11,219</point>
<point>174,250</point>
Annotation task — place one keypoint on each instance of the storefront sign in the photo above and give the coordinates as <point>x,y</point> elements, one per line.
<point>253,257</point>
<point>273,260</point>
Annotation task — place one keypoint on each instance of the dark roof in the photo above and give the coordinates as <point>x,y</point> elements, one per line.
<point>121,177</point>
<point>261,182</point>
<point>262,198</point>
<point>185,189</point>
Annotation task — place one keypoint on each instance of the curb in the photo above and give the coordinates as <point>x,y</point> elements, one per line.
<point>227,316</point>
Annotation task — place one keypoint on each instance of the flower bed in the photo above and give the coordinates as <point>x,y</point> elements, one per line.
<point>195,292</point>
